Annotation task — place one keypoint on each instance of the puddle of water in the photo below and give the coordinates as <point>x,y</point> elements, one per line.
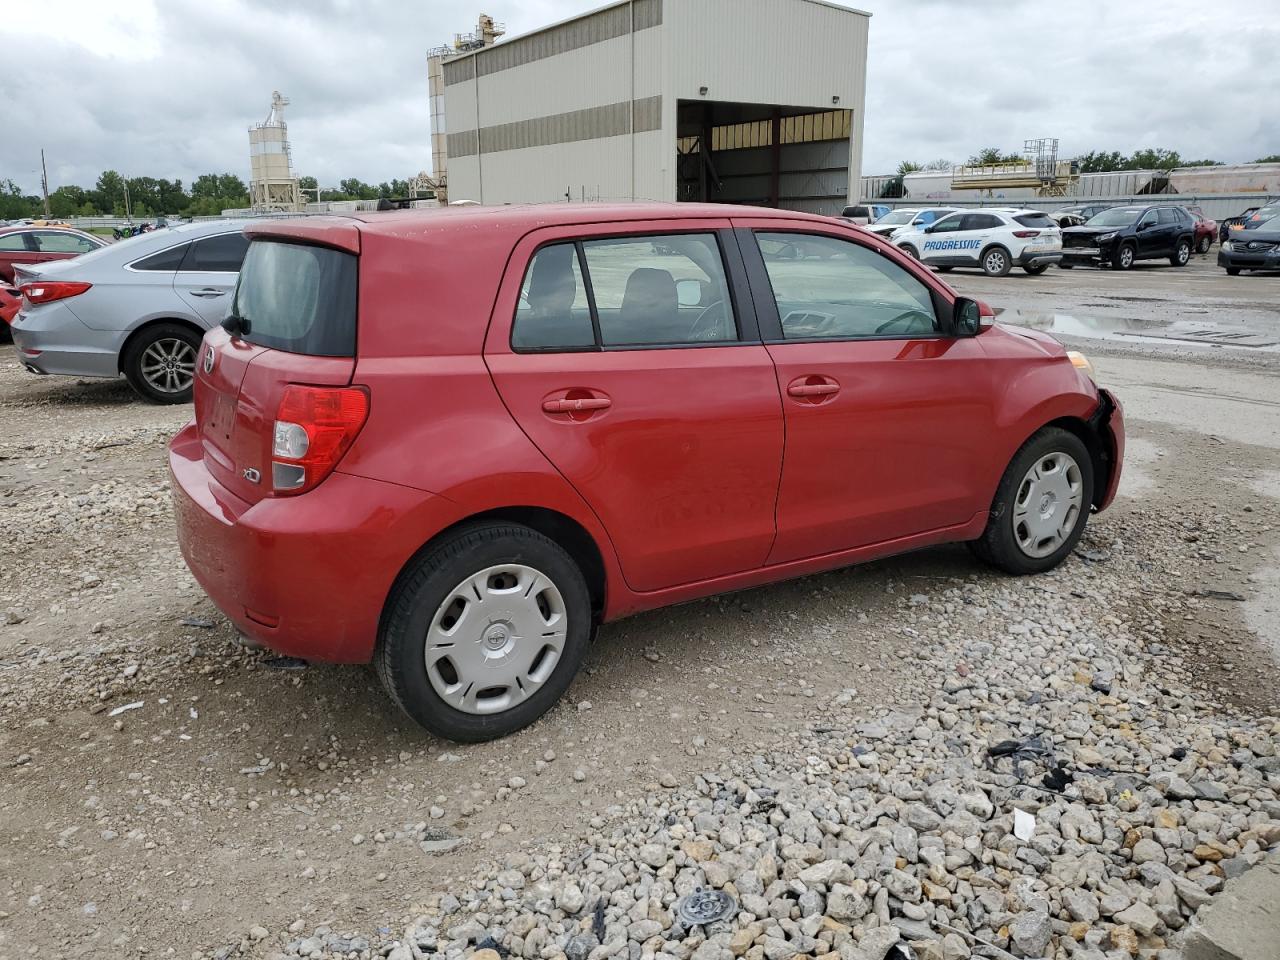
<point>1262,612</point>
<point>1131,330</point>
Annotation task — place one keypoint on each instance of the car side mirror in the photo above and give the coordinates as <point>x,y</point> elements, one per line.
<point>928,229</point>
<point>1144,225</point>
<point>689,292</point>
<point>966,317</point>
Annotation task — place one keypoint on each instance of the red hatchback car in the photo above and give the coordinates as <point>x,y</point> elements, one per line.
<point>453,443</point>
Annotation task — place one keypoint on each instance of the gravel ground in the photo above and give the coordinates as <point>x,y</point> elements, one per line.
<point>820,750</point>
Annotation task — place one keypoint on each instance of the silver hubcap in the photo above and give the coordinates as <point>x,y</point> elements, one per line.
<point>1048,504</point>
<point>995,262</point>
<point>169,365</point>
<point>1184,253</point>
<point>496,639</point>
<point>1126,257</point>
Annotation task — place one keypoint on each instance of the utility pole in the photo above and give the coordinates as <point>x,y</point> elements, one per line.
<point>127,215</point>
<point>44,183</point>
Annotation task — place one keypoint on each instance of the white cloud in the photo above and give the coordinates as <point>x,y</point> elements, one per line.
<point>168,88</point>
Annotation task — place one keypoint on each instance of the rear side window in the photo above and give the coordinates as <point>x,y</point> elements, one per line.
<point>553,313</point>
<point>980,221</point>
<point>1038,221</point>
<point>170,259</point>
<point>13,241</point>
<point>60,241</point>
<point>298,298</point>
<point>668,290</point>
<point>1169,215</point>
<point>222,254</point>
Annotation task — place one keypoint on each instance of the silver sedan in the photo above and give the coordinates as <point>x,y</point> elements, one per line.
<point>138,307</point>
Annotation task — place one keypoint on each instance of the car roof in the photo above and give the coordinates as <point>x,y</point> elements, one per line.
<point>510,220</point>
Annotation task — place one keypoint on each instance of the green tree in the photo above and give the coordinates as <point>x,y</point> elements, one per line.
<point>1101,162</point>
<point>907,166</point>
<point>14,205</point>
<point>1157,158</point>
<point>108,194</point>
<point>67,201</point>
<point>992,155</point>
<point>1273,158</point>
<point>939,165</point>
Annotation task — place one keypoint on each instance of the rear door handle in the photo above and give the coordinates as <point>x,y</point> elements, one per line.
<point>208,292</point>
<point>801,389</point>
<point>573,406</point>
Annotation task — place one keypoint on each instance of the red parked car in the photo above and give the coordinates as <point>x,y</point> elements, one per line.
<point>454,443</point>
<point>10,301</point>
<point>31,244</point>
<point>1206,230</point>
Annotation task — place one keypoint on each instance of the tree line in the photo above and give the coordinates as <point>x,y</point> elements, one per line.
<point>208,195</point>
<point>1095,161</point>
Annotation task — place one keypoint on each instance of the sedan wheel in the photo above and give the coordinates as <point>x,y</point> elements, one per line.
<point>484,631</point>
<point>160,363</point>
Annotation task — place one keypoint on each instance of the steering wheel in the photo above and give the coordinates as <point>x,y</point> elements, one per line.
<point>903,318</point>
<point>710,333</point>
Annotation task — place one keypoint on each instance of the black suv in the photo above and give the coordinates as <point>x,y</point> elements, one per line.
<point>1121,235</point>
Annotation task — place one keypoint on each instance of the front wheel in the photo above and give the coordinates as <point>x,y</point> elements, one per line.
<point>996,262</point>
<point>160,363</point>
<point>1041,505</point>
<point>484,632</point>
<point>1233,271</point>
<point>1204,243</point>
<point>910,251</point>
<point>1181,254</point>
<point>1123,258</point>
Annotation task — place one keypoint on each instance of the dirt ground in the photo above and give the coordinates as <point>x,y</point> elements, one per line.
<point>244,790</point>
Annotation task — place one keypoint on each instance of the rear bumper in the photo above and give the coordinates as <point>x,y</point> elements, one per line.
<point>1108,424</point>
<point>306,576</point>
<point>52,339</point>
<point>1036,258</point>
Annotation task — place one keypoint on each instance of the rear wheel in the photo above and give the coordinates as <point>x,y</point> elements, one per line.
<point>996,262</point>
<point>1233,271</point>
<point>1204,243</point>
<point>1065,266</point>
<point>1037,270</point>
<point>1123,258</point>
<point>160,363</point>
<point>1181,253</point>
<point>1041,506</point>
<point>484,632</point>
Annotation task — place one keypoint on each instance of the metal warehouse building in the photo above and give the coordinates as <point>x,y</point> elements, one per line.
<point>738,101</point>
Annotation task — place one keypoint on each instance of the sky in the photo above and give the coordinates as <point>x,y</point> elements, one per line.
<point>168,88</point>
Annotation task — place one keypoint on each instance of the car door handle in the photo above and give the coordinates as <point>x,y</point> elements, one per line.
<point>208,292</point>
<point>583,404</point>
<point>801,389</point>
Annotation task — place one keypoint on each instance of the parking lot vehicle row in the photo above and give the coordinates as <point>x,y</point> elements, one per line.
<point>455,459</point>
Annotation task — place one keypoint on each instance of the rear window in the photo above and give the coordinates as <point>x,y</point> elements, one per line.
<point>298,298</point>
<point>856,212</point>
<point>1040,221</point>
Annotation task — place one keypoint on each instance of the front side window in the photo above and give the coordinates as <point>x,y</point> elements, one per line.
<point>553,313</point>
<point>222,254</point>
<point>948,224</point>
<point>60,241</point>
<point>827,288</point>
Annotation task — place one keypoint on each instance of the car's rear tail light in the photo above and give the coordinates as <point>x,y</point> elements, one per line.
<point>47,291</point>
<point>1024,234</point>
<point>314,428</point>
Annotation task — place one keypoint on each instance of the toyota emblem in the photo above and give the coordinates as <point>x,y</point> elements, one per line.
<point>208,360</point>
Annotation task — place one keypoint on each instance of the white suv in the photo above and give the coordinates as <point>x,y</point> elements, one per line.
<point>993,239</point>
<point>904,218</point>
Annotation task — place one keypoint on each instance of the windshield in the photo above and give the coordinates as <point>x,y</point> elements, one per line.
<point>1263,215</point>
<point>1116,217</point>
<point>898,216</point>
<point>298,298</point>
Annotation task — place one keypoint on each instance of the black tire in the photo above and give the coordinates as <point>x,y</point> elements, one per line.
<point>1036,271</point>
<point>1181,253</point>
<point>998,544</point>
<point>1233,271</point>
<point>996,262</point>
<point>425,585</point>
<point>1204,243</point>
<point>910,251</point>
<point>1124,256</point>
<point>1065,266</point>
<point>944,269</point>
<point>181,340</point>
